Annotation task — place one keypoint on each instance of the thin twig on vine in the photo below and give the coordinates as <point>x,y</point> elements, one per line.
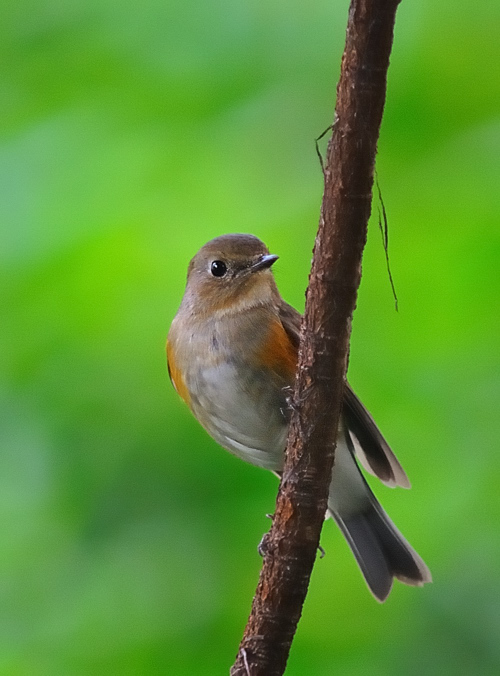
<point>318,151</point>
<point>384,229</point>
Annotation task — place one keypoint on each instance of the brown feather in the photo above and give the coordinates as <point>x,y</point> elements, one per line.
<point>176,376</point>
<point>278,353</point>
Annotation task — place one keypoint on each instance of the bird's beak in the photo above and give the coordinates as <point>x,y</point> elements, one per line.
<point>264,262</point>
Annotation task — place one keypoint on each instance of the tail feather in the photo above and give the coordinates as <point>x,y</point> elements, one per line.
<point>370,557</point>
<point>381,551</point>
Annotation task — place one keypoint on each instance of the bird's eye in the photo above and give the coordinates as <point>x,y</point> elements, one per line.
<point>218,268</point>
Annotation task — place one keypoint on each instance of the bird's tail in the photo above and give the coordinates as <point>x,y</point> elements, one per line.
<point>381,551</point>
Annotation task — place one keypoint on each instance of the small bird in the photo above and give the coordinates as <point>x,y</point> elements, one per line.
<point>232,352</point>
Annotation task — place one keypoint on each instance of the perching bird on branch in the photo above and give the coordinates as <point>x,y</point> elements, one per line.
<point>232,353</point>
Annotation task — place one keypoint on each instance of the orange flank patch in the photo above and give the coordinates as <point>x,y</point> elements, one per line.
<point>278,353</point>
<point>176,376</point>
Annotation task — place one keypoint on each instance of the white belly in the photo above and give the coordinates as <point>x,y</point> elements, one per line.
<point>245,417</point>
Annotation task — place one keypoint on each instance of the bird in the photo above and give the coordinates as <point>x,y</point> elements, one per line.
<point>232,351</point>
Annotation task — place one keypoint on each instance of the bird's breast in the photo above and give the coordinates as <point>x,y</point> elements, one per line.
<point>237,376</point>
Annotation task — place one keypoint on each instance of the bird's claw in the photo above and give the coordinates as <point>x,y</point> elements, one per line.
<point>262,547</point>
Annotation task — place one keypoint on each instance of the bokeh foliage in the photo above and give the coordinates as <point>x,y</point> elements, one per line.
<point>131,133</point>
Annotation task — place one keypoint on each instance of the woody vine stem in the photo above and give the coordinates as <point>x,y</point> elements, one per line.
<point>293,541</point>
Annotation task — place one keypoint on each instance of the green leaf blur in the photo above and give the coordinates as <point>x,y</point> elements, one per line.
<point>131,133</point>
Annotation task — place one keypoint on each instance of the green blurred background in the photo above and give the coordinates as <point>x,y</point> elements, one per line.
<point>131,133</point>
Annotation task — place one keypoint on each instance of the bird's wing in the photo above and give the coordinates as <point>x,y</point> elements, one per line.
<point>370,447</point>
<point>291,320</point>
